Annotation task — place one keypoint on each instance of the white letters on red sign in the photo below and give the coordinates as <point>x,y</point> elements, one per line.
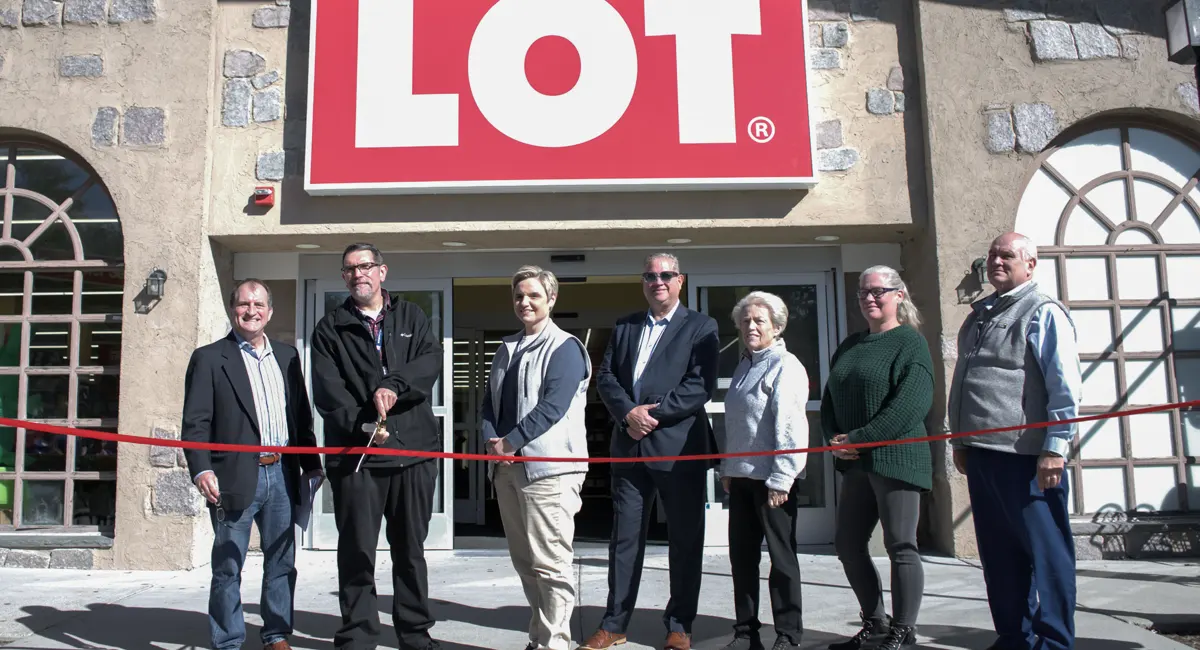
<point>389,114</point>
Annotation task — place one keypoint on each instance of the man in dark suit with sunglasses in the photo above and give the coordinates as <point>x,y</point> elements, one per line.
<point>246,389</point>
<point>659,371</point>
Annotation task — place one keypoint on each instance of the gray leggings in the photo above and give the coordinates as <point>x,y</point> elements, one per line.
<point>868,499</point>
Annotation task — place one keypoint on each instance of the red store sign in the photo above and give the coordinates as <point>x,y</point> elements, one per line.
<point>526,95</point>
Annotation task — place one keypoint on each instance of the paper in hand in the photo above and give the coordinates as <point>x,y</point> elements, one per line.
<point>308,497</point>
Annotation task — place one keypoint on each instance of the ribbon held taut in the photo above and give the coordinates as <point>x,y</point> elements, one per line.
<point>381,451</point>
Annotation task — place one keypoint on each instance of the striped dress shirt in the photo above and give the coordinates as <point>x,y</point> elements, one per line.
<point>270,393</point>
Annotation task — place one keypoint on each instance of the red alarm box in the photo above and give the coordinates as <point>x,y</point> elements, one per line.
<point>264,196</point>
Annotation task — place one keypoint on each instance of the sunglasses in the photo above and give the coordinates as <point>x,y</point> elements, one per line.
<point>877,293</point>
<point>665,276</point>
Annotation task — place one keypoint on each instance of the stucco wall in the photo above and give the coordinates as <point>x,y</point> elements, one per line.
<point>156,61</point>
<point>980,58</point>
<point>871,193</point>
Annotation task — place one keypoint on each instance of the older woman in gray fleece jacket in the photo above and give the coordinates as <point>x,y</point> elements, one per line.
<point>764,411</point>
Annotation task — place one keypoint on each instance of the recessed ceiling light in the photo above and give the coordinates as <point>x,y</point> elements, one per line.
<point>827,238</point>
<point>308,246</point>
<point>454,244</point>
<point>679,240</point>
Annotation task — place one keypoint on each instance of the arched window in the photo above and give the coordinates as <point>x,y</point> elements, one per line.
<point>61,287</point>
<point>1115,213</point>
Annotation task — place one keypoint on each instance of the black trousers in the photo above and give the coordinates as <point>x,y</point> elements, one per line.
<point>868,499</point>
<point>750,519</point>
<point>404,496</point>
<point>683,494</point>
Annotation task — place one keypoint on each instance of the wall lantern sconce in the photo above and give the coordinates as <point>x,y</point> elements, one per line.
<point>1182,19</point>
<point>979,268</point>
<point>156,283</point>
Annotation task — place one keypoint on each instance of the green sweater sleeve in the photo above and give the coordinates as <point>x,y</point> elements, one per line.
<point>905,408</point>
<point>828,419</point>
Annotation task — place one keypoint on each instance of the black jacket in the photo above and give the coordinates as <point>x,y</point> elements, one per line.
<point>347,371</point>
<point>218,406</point>
<point>680,379</point>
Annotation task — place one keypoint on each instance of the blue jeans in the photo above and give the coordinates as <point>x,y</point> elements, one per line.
<point>1026,549</point>
<point>272,509</point>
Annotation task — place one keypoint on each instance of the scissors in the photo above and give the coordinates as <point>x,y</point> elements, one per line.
<point>376,431</point>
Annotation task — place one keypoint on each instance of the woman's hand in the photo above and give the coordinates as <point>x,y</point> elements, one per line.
<point>844,454</point>
<point>776,498</point>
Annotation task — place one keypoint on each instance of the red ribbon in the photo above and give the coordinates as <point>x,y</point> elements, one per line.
<point>215,446</point>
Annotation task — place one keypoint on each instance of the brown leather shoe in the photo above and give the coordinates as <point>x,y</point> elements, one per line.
<point>278,645</point>
<point>678,641</point>
<point>601,639</point>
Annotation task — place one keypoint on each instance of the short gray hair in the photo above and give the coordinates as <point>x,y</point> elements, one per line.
<point>663,256</point>
<point>1025,247</point>
<point>547,278</point>
<point>774,305</point>
<point>906,312</point>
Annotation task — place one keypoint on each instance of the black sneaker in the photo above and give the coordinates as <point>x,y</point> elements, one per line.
<point>872,630</point>
<point>744,642</point>
<point>899,636</point>
<point>531,646</point>
<point>784,643</point>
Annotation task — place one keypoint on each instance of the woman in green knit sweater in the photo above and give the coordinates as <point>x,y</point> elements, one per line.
<point>881,388</point>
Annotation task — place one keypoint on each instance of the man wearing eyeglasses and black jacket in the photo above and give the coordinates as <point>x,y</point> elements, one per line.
<point>375,357</point>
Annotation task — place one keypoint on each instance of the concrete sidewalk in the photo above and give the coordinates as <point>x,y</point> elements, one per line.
<point>478,604</point>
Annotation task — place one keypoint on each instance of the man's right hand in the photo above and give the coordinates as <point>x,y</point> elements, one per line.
<point>207,484</point>
<point>639,422</point>
<point>960,460</point>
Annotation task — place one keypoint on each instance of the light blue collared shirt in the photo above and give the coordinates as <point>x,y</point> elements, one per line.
<point>270,392</point>
<point>1051,336</point>
<point>652,331</point>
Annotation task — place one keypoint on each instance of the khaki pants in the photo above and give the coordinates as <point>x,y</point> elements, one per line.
<point>539,523</point>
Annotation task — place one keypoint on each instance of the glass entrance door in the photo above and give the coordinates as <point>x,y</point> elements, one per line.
<point>434,297</point>
<point>810,325</point>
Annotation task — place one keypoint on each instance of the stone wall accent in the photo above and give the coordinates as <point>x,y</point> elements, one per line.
<point>1186,92</point>
<point>272,17</point>
<point>10,18</point>
<point>166,457</point>
<point>1001,138</point>
<point>240,64</point>
<point>104,127</point>
<point>265,79</point>
<point>128,11</point>
<point>1054,40</point>
<point>1094,42</point>
<point>174,494</point>
<point>1027,128</point>
<point>36,13</point>
<point>824,58</point>
<point>270,166</point>
<point>144,127</point>
<point>1036,125</point>
<point>835,34</point>
<point>881,101</point>
<point>268,105</point>
<point>861,10</point>
<point>84,12</point>
<point>84,65</point>
<point>895,80</point>
<point>19,558</point>
<point>3,556</point>
<point>235,103</point>
<point>828,134</point>
<point>71,558</point>
<point>836,160</point>
<point>899,102</point>
<point>1,65</point>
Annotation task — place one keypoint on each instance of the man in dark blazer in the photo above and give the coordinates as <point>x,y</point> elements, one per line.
<point>246,389</point>
<point>659,371</point>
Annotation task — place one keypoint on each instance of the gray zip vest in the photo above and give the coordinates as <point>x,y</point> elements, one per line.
<point>997,380</point>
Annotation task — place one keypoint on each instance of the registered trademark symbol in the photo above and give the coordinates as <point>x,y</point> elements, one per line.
<point>762,129</point>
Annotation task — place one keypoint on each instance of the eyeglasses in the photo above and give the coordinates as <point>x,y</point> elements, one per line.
<point>877,292</point>
<point>665,276</point>
<point>364,268</point>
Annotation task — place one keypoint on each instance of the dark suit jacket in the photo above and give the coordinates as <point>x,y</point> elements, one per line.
<point>680,379</point>
<point>218,406</point>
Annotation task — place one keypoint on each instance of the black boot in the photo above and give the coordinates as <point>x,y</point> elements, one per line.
<point>899,636</point>
<point>744,642</point>
<point>872,630</point>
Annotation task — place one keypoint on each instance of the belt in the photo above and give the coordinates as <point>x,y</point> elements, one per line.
<point>269,459</point>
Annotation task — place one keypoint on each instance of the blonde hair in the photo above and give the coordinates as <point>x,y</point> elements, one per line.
<point>547,278</point>
<point>769,301</point>
<point>906,311</point>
